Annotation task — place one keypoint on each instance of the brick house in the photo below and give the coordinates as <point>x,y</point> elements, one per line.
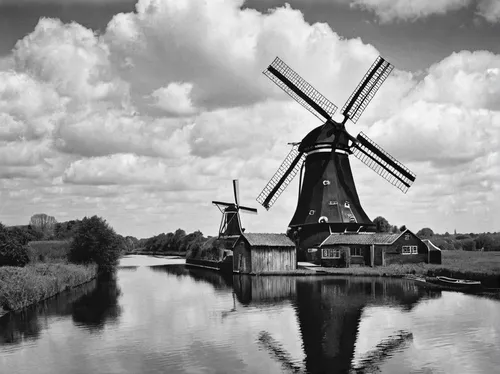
<point>371,249</point>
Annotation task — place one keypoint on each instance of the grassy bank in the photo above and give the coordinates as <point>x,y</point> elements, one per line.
<point>150,253</point>
<point>21,287</point>
<point>481,266</point>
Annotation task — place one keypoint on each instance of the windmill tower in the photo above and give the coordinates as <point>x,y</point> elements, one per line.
<point>328,200</point>
<point>231,224</point>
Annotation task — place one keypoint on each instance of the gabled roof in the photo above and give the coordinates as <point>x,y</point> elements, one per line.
<point>268,240</point>
<point>380,238</point>
<point>431,245</point>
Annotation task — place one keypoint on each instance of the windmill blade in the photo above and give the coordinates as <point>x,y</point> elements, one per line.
<point>367,88</point>
<point>267,342</point>
<point>300,90</point>
<point>372,360</point>
<point>236,189</point>
<point>248,210</point>
<point>282,178</point>
<point>222,203</point>
<point>372,155</point>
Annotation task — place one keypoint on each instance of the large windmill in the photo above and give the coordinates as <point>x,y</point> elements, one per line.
<point>231,224</point>
<point>328,201</point>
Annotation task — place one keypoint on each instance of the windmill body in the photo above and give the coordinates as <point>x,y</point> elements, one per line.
<point>328,201</point>
<point>230,225</point>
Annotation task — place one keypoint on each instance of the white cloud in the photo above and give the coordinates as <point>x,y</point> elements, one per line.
<point>169,105</point>
<point>128,169</point>
<point>175,98</point>
<point>390,10</point>
<point>490,10</point>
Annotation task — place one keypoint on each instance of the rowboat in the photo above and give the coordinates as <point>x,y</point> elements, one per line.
<point>447,283</point>
<point>458,283</point>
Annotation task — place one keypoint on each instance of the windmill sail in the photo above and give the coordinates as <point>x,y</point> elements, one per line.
<point>282,178</point>
<point>367,88</point>
<point>372,155</point>
<point>300,90</point>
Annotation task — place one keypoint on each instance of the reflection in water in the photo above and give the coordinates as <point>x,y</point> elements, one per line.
<point>90,305</point>
<point>177,319</point>
<point>99,306</point>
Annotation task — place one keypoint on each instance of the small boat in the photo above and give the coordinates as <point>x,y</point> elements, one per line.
<point>458,283</point>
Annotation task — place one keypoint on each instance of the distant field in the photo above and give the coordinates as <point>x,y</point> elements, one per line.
<point>484,262</point>
<point>49,251</point>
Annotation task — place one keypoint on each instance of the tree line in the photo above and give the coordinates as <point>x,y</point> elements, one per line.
<point>467,242</point>
<point>177,242</point>
<point>90,240</point>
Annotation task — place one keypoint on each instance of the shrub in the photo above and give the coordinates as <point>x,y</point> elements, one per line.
<point>95,241</point>
<point>12,252</point>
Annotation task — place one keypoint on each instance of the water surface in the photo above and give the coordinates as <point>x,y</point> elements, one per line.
<point>158,316</point>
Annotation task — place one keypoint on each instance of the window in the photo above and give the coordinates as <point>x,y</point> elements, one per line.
<point>312,250</point>
<point>356,252</point>
<point>407,236</point>
<point>330,253</point>
<point>410,250</point>
<point>331,202</point>
<point>311,212</point>
<point>346,204</point>
<point>326,182</point>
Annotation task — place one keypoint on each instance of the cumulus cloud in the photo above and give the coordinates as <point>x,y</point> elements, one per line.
<point>169,104</point>
<point>490,10</point>
<point>126,169</point>
<point>390,10</point>
<point>175,98</point>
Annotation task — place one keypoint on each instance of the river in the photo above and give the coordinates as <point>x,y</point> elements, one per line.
<point>159,316</point>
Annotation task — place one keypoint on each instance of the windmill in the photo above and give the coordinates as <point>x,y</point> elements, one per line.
<point>231,224</point>
<point>328,200</point>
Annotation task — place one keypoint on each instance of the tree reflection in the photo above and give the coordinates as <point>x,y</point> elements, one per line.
<point>100,306</point>
<point>91,305</point>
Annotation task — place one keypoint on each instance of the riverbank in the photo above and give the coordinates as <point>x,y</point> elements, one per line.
<point>24,286</point>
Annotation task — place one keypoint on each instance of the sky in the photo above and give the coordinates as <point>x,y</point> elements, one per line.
<point>143,112</point>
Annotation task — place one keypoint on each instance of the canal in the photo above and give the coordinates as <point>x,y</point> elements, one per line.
<point>158,316</point>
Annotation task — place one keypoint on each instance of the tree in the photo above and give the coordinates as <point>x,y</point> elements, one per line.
<point>425,233</point>
<point>402,228</point>
<point>381,224</point>
<point>395,229</point>
<point>95,241</point>
<point>12,252</point>
<point>484,241</point>
<point>468,244</point>
<point>43,223</point>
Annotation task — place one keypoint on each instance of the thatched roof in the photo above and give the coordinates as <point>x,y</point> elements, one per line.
<point>380,238</point>
<point>268,240</point>
<point>364,238</point>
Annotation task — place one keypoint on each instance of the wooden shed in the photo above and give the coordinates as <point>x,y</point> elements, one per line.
<point>263,253</point>
<point>372,249</point>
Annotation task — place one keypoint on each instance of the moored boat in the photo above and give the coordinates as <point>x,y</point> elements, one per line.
<point>458,283</point>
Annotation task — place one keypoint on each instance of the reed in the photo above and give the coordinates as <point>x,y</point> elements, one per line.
<point>20,287</point>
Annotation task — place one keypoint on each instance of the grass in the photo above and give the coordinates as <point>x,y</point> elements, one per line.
<point>49,251</point>
<point>21,287</point>
<point>481,266</point>
<point>48,274</point>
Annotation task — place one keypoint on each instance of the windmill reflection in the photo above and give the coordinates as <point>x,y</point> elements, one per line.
<point>329,312</point>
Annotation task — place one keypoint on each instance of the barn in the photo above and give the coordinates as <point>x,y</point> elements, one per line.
<point>263,253</point>
<point>371,249</point>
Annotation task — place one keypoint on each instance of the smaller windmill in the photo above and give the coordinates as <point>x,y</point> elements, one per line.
<point>231,224</point>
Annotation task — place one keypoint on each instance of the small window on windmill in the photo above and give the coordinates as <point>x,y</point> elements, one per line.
<point>332,203</point>
<point>346,204</point>
<point>311,212</point>
<point>352,218</point>
<point>326,182</point>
